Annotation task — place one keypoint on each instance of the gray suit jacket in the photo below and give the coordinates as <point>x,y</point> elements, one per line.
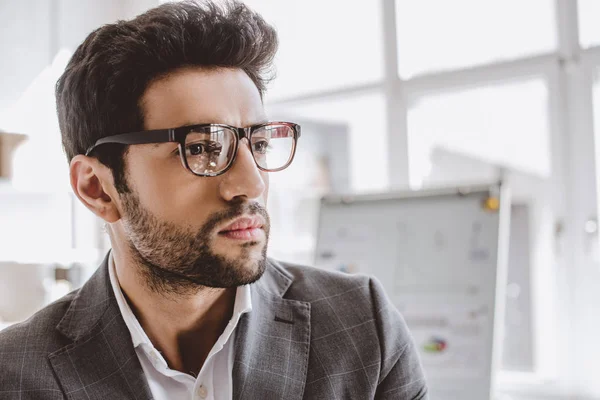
<point>311,335</point>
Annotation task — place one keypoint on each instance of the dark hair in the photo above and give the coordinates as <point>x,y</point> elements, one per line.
<point>98,95</point>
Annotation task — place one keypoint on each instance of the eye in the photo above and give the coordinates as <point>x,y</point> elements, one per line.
<point>195,149</point>
<point>260,146</point>
<point>207,148</point>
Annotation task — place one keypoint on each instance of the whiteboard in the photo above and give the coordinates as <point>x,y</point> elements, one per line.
<point>441,256</point>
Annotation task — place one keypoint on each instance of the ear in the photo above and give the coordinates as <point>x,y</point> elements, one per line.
<point>93,184</point>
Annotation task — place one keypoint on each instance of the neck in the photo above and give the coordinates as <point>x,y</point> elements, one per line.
<point>183,328</point>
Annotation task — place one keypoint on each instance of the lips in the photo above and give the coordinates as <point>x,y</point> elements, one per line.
<point>244,223</point>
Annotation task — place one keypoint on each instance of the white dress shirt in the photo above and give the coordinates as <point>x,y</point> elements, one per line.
<point>214,382</point>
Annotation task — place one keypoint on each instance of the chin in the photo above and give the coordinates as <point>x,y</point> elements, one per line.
<point>250,259</point>
<point>252,270</point>
<point>254,250</point>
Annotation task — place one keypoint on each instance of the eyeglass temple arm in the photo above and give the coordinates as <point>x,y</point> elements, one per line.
<point>154,136</point>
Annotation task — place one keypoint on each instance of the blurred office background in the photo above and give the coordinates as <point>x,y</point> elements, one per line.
<point>390,94</point>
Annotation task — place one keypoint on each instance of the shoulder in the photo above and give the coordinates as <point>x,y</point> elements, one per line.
<point>311,284</point>
<point>41,324</point>
<point>343,300</point>
<point>315,285</point>
<point>31,341</point>
<point>352,314</point>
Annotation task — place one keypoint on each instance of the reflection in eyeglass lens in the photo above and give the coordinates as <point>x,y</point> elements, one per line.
<point>272,146</point>
<point>208,151</point>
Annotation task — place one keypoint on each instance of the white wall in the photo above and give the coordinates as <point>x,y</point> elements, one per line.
<point>24,45</point>
<point>33,31</point>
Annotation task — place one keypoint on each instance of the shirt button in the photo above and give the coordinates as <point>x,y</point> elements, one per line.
<point>202,391</point>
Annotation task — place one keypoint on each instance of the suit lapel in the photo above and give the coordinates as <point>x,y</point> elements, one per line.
<point>101,362</point>
<point>272,342</point>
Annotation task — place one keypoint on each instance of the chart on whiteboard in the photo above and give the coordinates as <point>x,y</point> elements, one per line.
<point>450,337</point>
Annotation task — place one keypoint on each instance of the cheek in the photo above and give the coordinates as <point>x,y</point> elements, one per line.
<point>172,193</point>
<point>265,177</point>
<point>152,184</point>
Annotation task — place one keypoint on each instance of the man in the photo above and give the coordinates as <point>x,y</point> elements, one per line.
<point>163,123</point>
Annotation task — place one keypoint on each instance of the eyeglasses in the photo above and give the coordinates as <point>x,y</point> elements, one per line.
<point>210,149</point>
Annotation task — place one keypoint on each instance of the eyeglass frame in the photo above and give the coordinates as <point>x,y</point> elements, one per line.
<point>179,134</point>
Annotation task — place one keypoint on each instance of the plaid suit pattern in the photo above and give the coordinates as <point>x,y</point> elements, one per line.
<point>311,335</point>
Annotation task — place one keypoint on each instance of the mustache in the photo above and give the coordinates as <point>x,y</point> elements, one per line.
<point>236,209</point>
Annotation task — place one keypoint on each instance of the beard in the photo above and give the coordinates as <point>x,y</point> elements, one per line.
<point>178,261</point>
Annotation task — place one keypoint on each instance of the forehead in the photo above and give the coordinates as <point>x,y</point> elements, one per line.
<point>197,95</point>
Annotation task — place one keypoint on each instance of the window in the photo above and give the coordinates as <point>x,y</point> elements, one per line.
<point>364,116</point>
<point>589,29</point>
<point>501,125</point>
<point>438,35</point>
<point>324,45</point>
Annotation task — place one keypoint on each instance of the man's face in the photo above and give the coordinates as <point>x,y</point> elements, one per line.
<point>178,225</point>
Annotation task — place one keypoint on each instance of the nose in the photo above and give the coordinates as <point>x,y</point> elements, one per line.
<point>243,179</point>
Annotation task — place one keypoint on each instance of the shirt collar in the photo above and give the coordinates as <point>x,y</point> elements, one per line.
<point>242,305</point>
